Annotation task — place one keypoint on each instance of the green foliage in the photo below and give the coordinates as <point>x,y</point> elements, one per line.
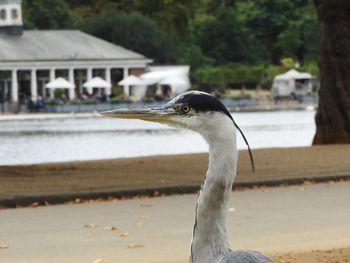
<point>283,27</point>
<point>47,14</point>
<point>172,14</point>
<point>83,102</point>
<point>226,75</point>
<point>221,37</point>
<point>136,32</point>
<point>238,75</point>
<point>147,100</point>
<point>117,91</point>
<point>301,37</point>
<point>120,100</point>
<point>59,93</point>
<point>195,58</point>
<point>273,70</point>
<point>312,68</point>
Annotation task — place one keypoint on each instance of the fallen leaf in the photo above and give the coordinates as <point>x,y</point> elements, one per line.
<point>263,189</point>
<point>101,260</point>
<point>3,247</point>
<point>124,234</point>
<point>135,245</point>
<point>90,226</point>
<point>146,205</point>
<point>306,183</point>
<point>34,205</point>
<point>111,228</point>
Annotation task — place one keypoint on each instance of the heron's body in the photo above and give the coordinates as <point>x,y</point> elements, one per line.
<point>208,116</point>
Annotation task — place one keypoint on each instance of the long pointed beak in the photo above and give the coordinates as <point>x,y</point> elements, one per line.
<point>161,115</point>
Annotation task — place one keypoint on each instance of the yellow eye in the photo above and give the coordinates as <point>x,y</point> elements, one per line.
<point>185,109</point>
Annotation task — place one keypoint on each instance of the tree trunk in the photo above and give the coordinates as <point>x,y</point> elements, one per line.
<point>333,114</point>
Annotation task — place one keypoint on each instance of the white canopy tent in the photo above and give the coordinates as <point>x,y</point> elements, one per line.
<point>292,83</point>
<point>134,81</point>
<point>60,83</point>
<point>175,77</point>
<point>173,81</point>
<point>293,74</point>
<point>98,82</point>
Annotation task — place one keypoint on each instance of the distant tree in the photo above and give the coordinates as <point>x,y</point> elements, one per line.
<point>47,14</point>
<point>333,113</point>
<point>267,19</point>
<point>171,14</point>
<point>136,32</point>
<point>195,58</point>
<point>225,39</point>
<point>301,38</point>
<point>87,8</point>
<point>213,6</point>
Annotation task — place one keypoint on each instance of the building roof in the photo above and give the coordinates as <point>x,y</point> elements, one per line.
<point>53,45</point>
<point>293,74</point>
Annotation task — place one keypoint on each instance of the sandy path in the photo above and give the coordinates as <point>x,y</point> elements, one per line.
<point>280,220</point>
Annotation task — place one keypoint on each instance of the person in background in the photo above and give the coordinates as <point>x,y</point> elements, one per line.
<point>2,102</point>
<point>39,105</point>
<point>30,105</point>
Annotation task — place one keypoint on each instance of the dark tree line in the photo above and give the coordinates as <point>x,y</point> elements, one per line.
<point>212,32</point>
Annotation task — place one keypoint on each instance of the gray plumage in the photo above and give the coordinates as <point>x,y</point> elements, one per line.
<point>246,256</point>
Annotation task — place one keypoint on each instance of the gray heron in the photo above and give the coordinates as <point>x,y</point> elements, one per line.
<point>203,113</point>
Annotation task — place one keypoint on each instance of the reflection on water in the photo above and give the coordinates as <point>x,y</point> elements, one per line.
<point>40,141</point>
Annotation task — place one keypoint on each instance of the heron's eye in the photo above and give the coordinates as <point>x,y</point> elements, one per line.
<point>185,109</point>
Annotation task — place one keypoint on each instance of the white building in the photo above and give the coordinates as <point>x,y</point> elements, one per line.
<point>31,58</point>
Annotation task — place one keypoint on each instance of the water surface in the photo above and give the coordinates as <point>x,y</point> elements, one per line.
<point>57,140</point>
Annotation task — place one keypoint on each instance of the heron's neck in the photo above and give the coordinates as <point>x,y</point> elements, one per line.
<point>210,239</point>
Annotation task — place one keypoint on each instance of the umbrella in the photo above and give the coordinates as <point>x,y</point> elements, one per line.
<point>60,83</point>
<point>131,80</point>
<point>174,81</point>
<point>97,82</point>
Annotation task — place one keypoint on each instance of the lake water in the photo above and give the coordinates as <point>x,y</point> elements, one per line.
<point>58,140</point>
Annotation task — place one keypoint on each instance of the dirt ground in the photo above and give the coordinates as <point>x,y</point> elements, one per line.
<point>334,255</point>
<point>173,171</point>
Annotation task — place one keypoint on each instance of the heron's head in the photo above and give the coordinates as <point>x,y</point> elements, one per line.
<point>194,110</point>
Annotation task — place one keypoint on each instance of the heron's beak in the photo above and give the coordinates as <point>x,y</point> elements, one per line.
<point>161,115</point>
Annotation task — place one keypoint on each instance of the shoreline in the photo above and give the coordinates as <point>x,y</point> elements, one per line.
<point>9,116</point>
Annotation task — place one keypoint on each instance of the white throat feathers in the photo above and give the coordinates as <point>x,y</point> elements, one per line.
<point>210,239</point>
